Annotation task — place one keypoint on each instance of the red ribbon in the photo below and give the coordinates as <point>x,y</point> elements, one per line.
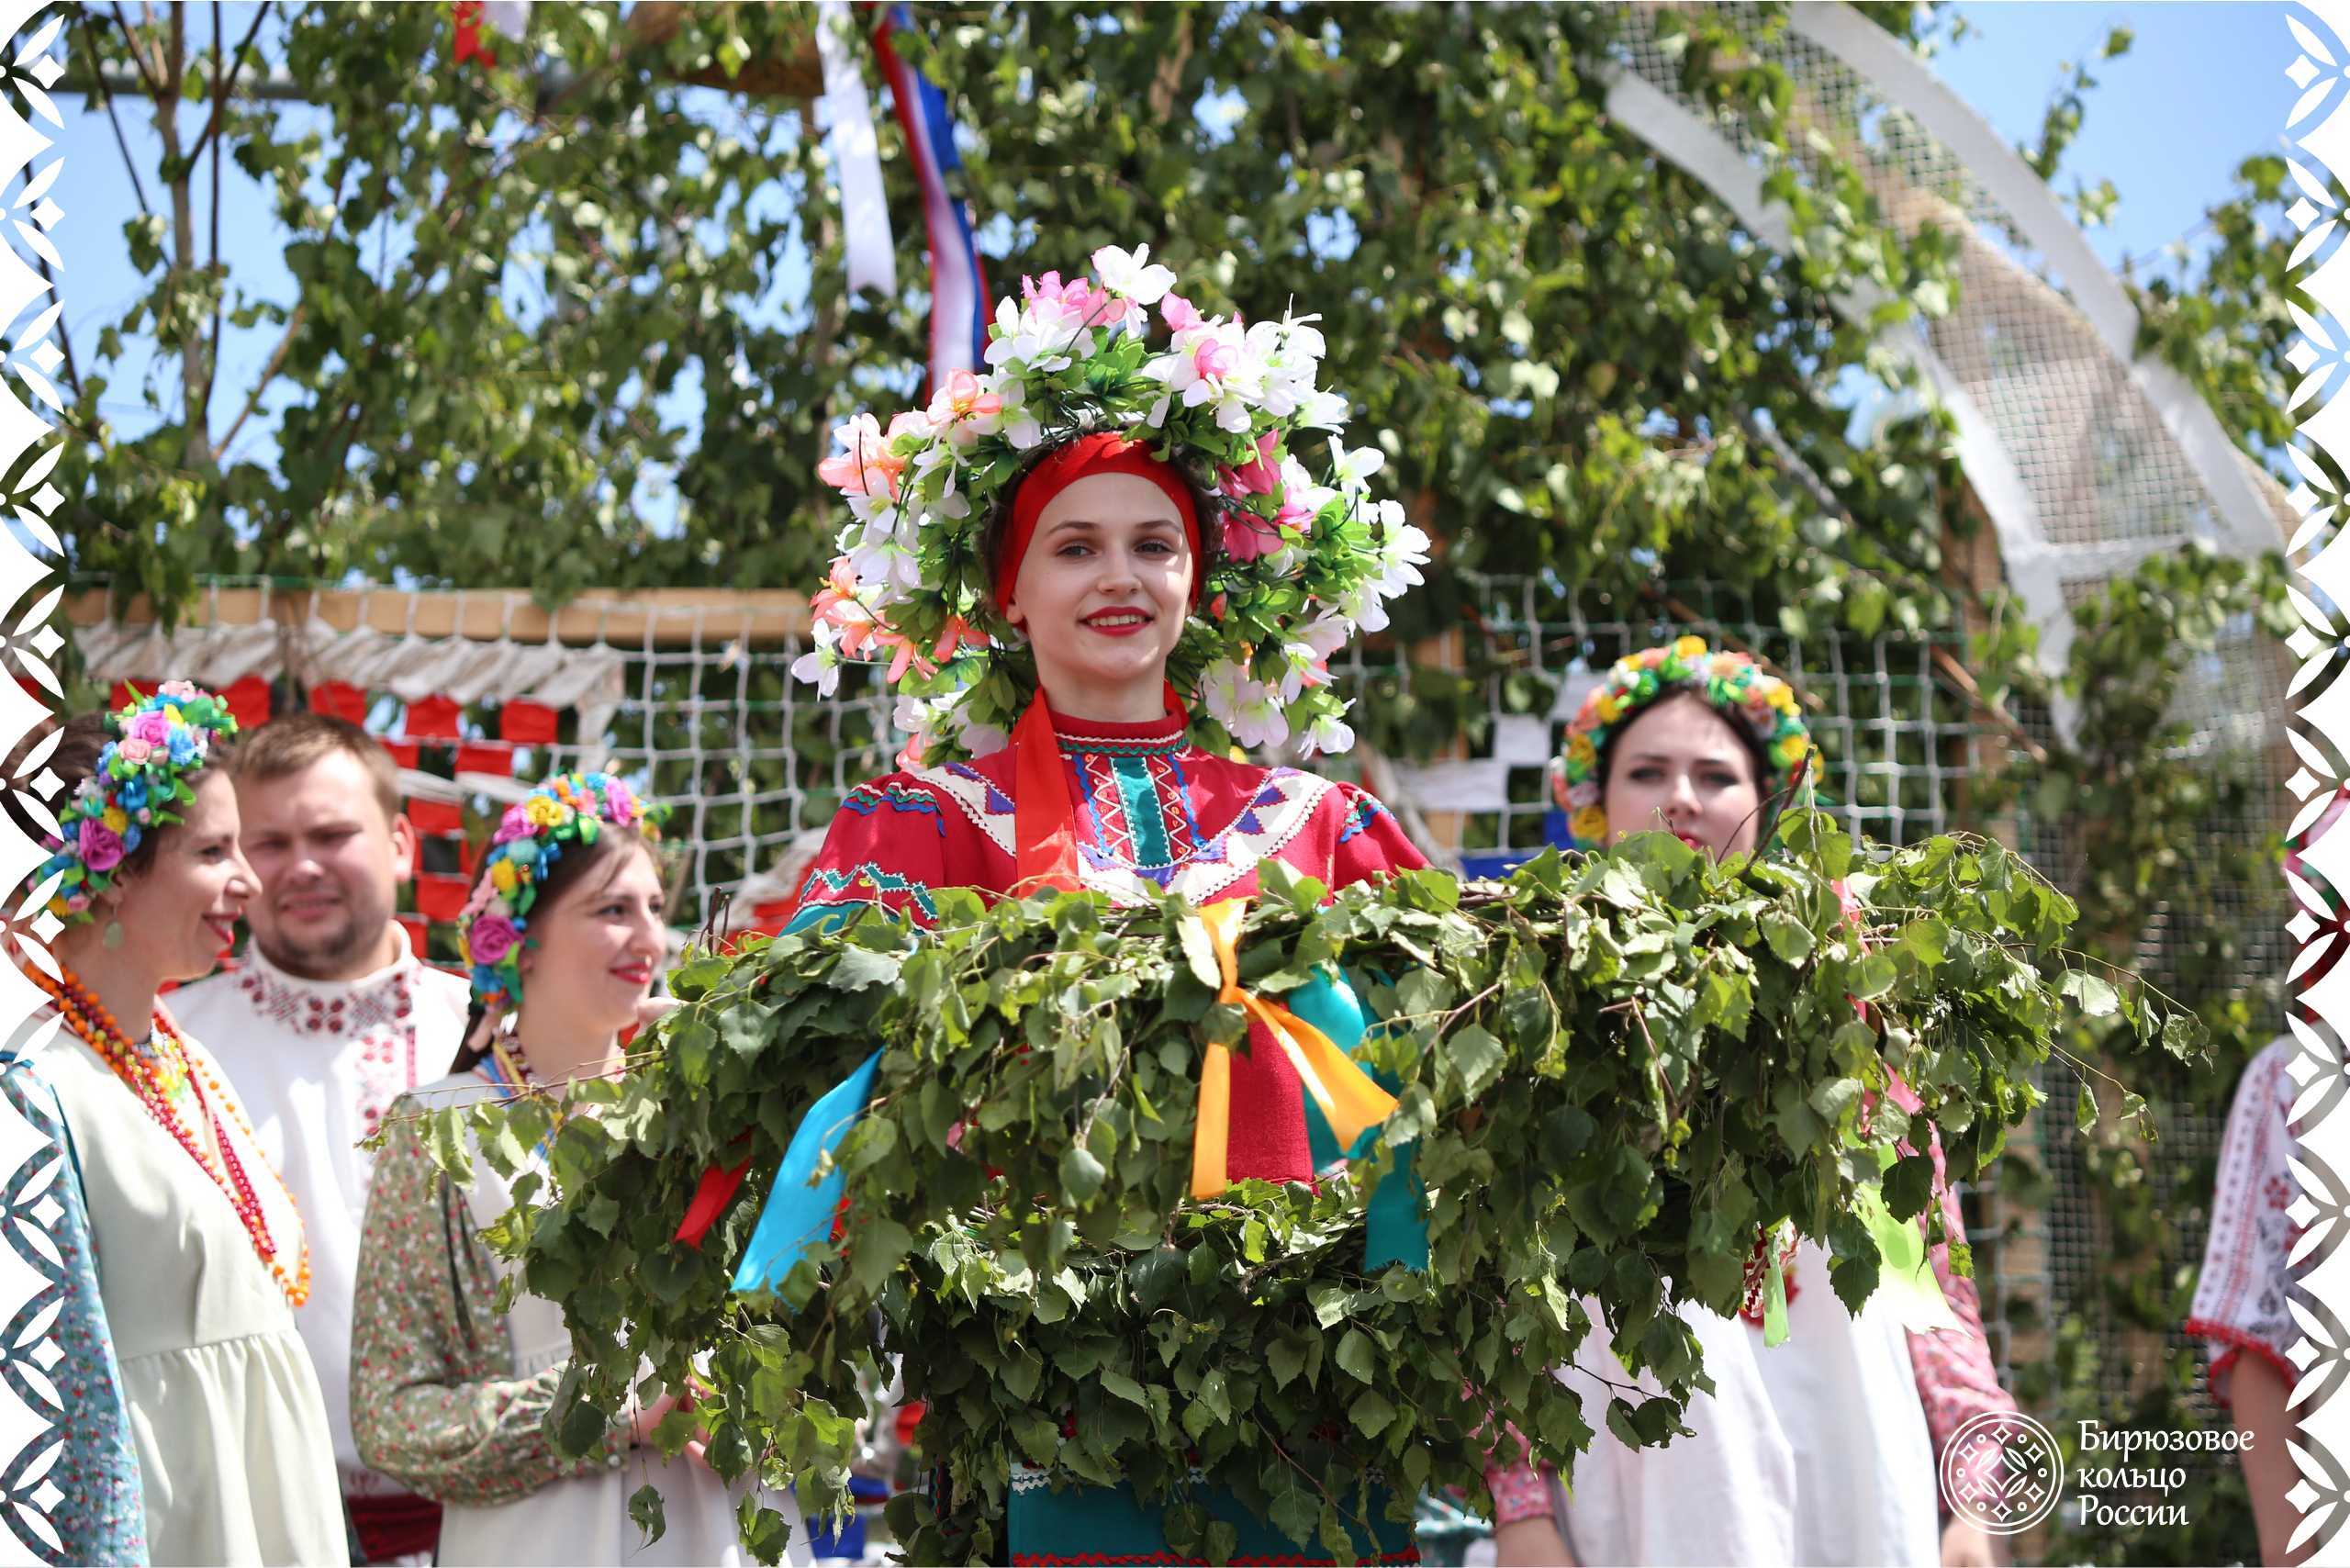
<point>1043,817</point>
<point>719,1186</point>
<point>467,16</point>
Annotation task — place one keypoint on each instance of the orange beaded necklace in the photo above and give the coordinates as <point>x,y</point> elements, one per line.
<point>156,1077</point>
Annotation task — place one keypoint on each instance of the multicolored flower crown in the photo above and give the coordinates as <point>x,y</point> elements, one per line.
<point>141,773</point>
<point>1736,688</point>
<point>1297,565</point>
<point>570,808</point>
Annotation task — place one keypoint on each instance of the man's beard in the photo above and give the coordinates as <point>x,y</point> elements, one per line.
<point>329,954</point>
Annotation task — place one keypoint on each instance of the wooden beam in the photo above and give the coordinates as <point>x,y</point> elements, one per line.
<point>667,617</point>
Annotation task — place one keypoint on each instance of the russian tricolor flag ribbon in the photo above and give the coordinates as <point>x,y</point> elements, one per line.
<point>958,287</point>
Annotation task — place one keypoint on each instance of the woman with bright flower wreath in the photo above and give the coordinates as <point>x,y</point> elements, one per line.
<point>1089,573</point>
<point>178,1321</point>
<point>1823,1447</point>
<point>565,932</point>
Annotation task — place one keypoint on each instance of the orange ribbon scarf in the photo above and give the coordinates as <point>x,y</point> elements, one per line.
<point>1350,1099</point>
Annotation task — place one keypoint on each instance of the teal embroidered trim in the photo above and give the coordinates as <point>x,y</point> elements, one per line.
<point>1139,794</point>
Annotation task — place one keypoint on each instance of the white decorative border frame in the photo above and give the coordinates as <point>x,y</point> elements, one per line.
<point>33,1411</point>
<point>31,1433</point>
<point>2318,153</point>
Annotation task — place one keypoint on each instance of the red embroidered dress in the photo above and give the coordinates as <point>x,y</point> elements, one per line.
<point>1153,812</point>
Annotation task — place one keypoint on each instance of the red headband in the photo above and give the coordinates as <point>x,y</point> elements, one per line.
<point>1104,452</point>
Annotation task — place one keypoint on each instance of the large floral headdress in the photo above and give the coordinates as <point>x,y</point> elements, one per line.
<point>141,773</point>
<point>568,809</point>
<point>1299,564</point>
<point>1760,703</point>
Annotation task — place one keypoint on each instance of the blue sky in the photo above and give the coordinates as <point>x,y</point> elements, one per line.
<point>2202,89</point>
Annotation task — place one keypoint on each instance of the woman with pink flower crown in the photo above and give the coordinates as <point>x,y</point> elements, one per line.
<point>193,1429</point>
<point>1089,572</point>
<point>564,930</point>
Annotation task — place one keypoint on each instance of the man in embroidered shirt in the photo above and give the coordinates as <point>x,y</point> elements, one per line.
<point>328,1018</point>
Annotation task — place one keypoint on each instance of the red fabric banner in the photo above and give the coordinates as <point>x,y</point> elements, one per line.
<point>475,757</point>
<point>439,895</point>
<point>339,700</point>
<point>526,723</point>
<point>433,718</point>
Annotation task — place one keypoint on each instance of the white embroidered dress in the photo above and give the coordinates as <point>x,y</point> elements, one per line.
<point>2241,1298</point>
<point>1812,1451</point>
<point>226,1420</point>
<point>317,1064</point>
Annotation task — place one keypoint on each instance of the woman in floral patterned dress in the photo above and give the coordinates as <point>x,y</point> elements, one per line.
<point>448,1395</point>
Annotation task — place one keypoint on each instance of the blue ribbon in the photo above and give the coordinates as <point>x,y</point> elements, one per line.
<point>797,1218</point>
<point>1394,1229</point>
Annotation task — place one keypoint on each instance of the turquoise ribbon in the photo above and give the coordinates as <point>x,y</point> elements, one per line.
<point>1395,1229</point>
<point>797,1218</point>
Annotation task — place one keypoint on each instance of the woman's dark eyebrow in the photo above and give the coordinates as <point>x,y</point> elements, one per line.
<point>1663,757</point>
<point>1090,525</point>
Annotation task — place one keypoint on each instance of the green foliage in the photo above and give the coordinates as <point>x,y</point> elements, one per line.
<point>2225,322</point>
<point>1570,344</point>
<point>2060,123</point>
<point>1677,1037</point>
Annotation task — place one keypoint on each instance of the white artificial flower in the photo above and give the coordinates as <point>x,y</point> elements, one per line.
<point>1329,736</point>
<point>1402,554</point>
<point>984,740</point>
<point>1302,670</point>
<point>1361,605</point>
<point>1325,634</point>
<point>820,668</point>
<point>1352,470</point>
<point>1242,705</point>
<point>1322,411</point>
<point>1126,274</point>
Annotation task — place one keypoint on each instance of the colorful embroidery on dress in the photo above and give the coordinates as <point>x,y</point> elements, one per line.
<point>868,799</point>
<point>826,886</point>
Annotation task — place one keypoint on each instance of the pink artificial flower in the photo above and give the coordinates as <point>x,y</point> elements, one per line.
<point>867,467</point>
<point>514,825</point>
<point>1292,517</point>
<point>1179,313</point>
<point>1260,476</point>
<point>1211,361</point>
<point>151,727</point>
<point>619,803</point>
<point>135,751</point>
<point>177,689</point>
<point>76,902</point>
<point>837,606</point>
<point>1077,296</point>
<point>962,399</point>
<point>1248,537</point>
<point>101,848</point>
<point>957,634</point>
<point>904,658</point>
<point>491,938</point>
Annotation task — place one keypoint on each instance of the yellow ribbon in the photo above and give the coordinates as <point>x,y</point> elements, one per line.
<point>1350,1099</point>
